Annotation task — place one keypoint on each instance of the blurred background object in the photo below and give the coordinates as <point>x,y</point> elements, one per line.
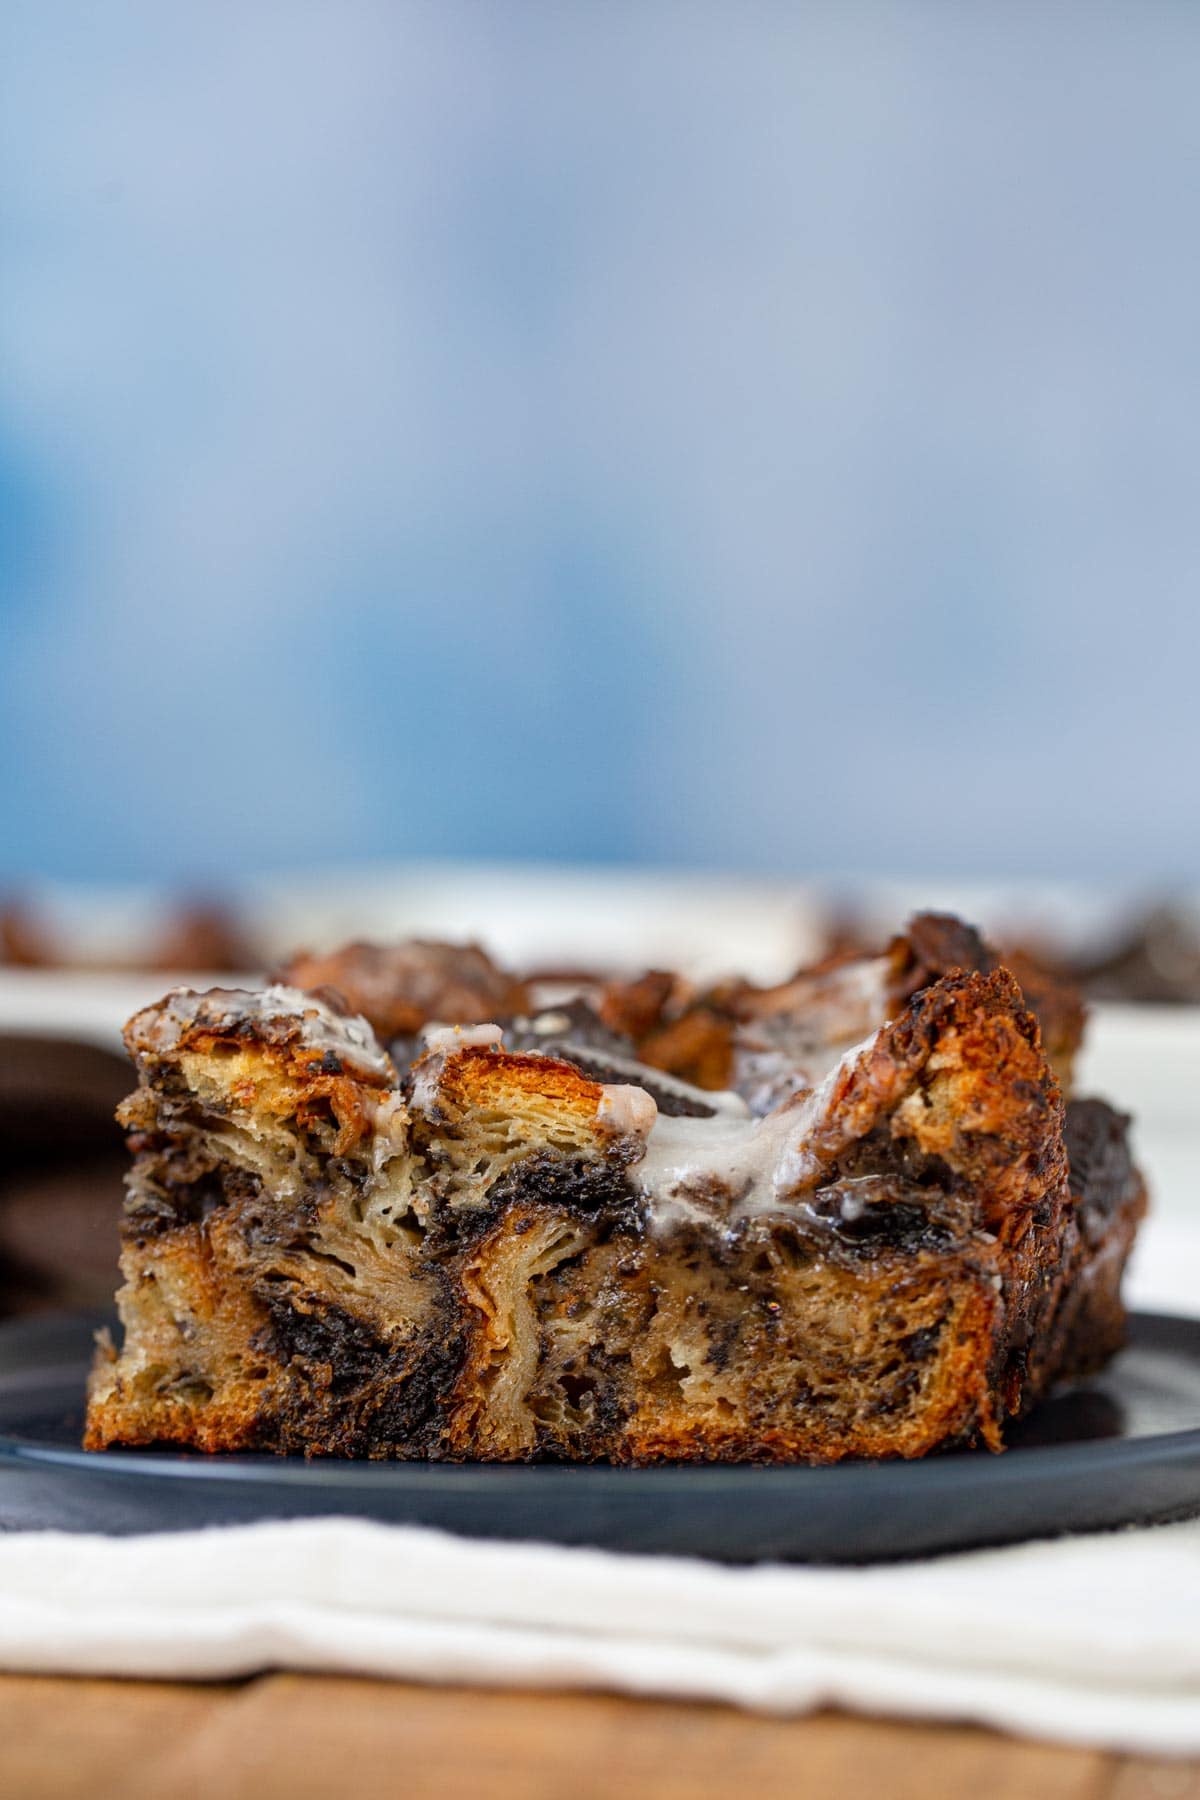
<point>736,436</point>
<point>61,1166</point>
<point>163,934</point>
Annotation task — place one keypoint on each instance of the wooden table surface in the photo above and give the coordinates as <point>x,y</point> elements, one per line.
<point>302,1735</point>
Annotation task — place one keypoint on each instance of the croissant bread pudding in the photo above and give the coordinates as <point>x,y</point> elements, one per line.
<point>402,1204</point>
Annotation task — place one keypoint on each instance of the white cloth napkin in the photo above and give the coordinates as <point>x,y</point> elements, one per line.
<point>1090,1640</point>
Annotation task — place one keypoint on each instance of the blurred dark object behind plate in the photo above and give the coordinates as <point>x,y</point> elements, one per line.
<point>186,934</point>
<point>62,1160</point>
<point>1157,961</point>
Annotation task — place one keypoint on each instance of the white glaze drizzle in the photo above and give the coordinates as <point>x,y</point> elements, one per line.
<point>626,1110</point>
<point>347,1036</point>
<point>727,1168</point>
<point>448,1039</point>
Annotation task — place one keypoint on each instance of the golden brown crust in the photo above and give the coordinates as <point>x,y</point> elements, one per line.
<point>934,944</point>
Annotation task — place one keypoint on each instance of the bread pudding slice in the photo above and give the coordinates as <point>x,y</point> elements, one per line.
<point>531,1245</point>
<point>556,1251</point>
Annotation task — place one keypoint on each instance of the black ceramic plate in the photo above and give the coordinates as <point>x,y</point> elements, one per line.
<point>1124,1449</point>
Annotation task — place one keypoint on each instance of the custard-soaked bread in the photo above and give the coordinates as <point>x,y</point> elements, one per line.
<point>532,1245</point>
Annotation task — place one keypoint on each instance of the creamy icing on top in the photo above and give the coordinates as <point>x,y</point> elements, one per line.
<point>627,1110</point>
<point>718,1169</point>
<point>727,1168</point>
<point>449,1038</point>
<point>313,1022</point>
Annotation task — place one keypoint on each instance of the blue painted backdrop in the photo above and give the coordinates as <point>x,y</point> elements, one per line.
<point>741,435</point>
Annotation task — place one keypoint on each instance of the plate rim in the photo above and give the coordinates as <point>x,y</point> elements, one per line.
<point>1023,1465</point>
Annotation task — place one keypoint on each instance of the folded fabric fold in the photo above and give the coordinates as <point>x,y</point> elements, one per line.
<point>1087,1640</point>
